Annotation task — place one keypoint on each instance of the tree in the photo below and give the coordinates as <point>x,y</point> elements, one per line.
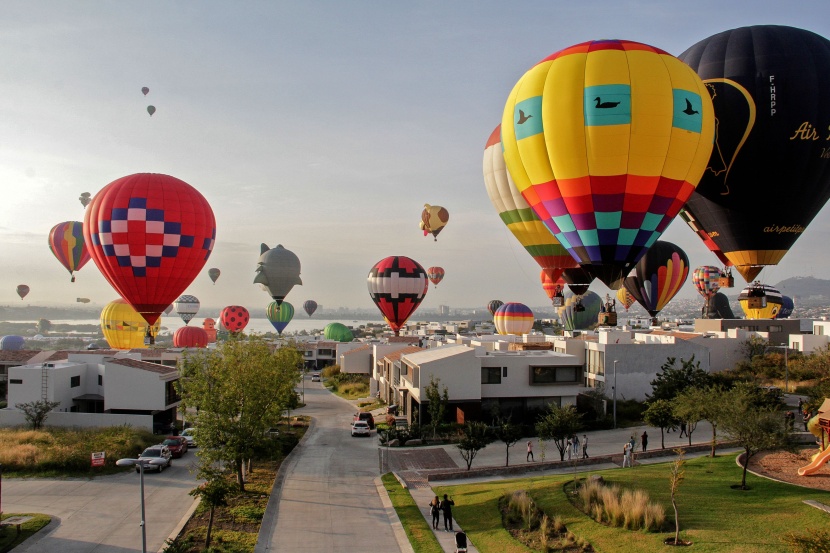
<point>35,412</point>
<point>696,404</point>
<point>660,415</point>
<point>509,434</point>
<point>678,473</point>
<point>436,403</point>
<point>753,346</point>
<point>558,425</point>
<point>238,390</point>
<point>754,427</point>
<point>672,380</point>
<point>474,438</point>
<point>213,492</point>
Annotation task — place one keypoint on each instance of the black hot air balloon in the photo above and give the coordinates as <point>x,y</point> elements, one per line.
<point>769,173</point>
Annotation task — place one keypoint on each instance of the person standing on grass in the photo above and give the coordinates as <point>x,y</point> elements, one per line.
<point>584,446</point>
<point>644,440</point>
<point>530,451</point>
<point>446,506</point>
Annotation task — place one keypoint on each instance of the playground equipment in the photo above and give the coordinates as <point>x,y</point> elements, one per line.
<point>819,426</point>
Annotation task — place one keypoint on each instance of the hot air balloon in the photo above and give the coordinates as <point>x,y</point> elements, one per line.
<point>515,212</point>
<point>310,306</point>
<point>278,271</point>
<point>718,307</point>
<point>494,305</point>
<point>22,290</point>
<point>149,235</point>
<point>580,312</point>
<point>433,219</point>
<point>279,316</point>
<point>625,298</point>
<point>151,110</point>
<point>214,274</point>
<point>338,332</point>
<point>606,140</point>
<point>435,275</point>
<point>66,240</point>
<point>760,301</point>
<point>85,198</point>
<point>168,309</point>
<point>513,318</point>
<point>190,337</point>
<point>397,285</point>
<point>553,288</point>
<point>707,281</point>
<point>145,90</point>
<point>787,306</point>
<point>82,300</point>
<point>769,173</point>
<point>209,326</point>
<point>234,318</point>
<point>658,276</point>
<point>578,280</point>
<point>123,327</point>
<point>186,307</point>
<point>12,343</point>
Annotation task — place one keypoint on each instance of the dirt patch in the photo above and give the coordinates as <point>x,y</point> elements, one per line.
<point>784,465</point>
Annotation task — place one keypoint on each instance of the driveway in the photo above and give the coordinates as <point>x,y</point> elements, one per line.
<point>102,515</point>
<point>329,500</point>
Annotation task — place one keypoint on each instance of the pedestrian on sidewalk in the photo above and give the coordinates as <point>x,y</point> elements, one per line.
<point>575,444</point>
<point>683,429</point>
<point>626,456</point>
<point>584,446</point>
<point>644,440</point>
<point>446,506</point>
<point>807,416</point>
<point>569,448</point>
<point>435,511</point>
<point>631,443</point>
<point>529,451</point>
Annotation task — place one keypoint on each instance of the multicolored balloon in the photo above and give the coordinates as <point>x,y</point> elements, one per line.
<point>124,327</point>
<point>658,276</point>
<point>580,312</point>
<point>435,275</point>
<point>310,306</point>
<point>625,298</point>
<point>234,318</point>
<point>397,285</point>
<point>186,307</point>
<point>513,318</point>
<point>760,301</point>
<point>338,332</point>
<point>214,274</point>
<point>706,279</point>
<point>494,305</point>
<point>150,235</point>
<point>553,288</point>
<point>433,219</point>
<point>279,315</point>
<point>190,337</point>
<point>22,290</point>
<point>66,240</point>
<point>769,173</point>
<point>606,140</point>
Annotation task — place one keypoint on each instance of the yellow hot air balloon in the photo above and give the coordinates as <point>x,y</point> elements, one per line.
<point>123,327</point>
<point>760,301</point>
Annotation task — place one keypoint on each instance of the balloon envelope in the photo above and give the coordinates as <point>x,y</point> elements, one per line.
<point>190,337</point>
<point>435,275</point>
<point>787,306</point>
<point>145,90</point>
<point>658,276</point>
<point>279,315</point>
<point>234,318</point>
<point>66,240</point>
<point>433,219</point>
<point>12,343</point>
<point>717,307</point>
<point>310,306</point>
<point>85,198</point>
<point>494,305</point>
<point>22,290</point>
<point>209,326</point>
<point>625,298</point>
<point>397,285</point>
<point>214,274</point>
<point>338,332</point>
<point>575,319</point>
<point>151,110</point>
<point>769,174</point>
<point>606,140</point>
<point>771,305</point>
<point>123,327</point>
<point>278,270</point>
<point>513,318</point>
<point>707,280</point>
<point>149,235</point>
<point>186,307</point>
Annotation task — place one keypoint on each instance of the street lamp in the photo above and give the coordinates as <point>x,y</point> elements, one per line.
<point>141,463</point>
<point>614,388</point>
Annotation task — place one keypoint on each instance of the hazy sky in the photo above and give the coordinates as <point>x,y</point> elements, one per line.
<point>322,126</point>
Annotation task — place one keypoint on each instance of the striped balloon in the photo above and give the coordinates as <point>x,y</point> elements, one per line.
<point>574,319</point>
<point>66,240</point>
<point>513,318</point>
<point>658,276</point>
<point>707,280</point>
<point>625,298</point>
<point>397,285</point>
<point>494,305</point>
<point>279,315</point>
<point>773,301</point>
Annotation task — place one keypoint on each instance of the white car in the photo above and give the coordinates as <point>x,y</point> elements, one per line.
<point>315,377</point>
<point>189,434</point>
<point>361,428</point>
<point>153,453</point>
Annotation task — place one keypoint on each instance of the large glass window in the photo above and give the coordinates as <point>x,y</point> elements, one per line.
<point>491,375</point>
<point>555,375</point>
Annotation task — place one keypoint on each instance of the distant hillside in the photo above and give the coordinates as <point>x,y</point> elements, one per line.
<point>805,288</point>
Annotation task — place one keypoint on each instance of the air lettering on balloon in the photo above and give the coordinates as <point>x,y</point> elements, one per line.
<point>805,131</point>
<point>796,229</point>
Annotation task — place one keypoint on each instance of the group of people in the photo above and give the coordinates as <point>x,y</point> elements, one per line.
<point>436,507</point>
<point>571,447</point>
<point>628,448</point>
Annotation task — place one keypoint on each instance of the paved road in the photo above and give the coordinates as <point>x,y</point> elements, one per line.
<point>102,515</point>
<point>329,500</point>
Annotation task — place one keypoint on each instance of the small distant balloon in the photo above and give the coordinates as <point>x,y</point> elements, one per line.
<point>214,274</point>
<point>310,307</point>
<point>151,110</point>
<point>85,198</point>
<point>82,300</point>
<point>22,290</point>
<point>145,90</point>
<point>433,219</point>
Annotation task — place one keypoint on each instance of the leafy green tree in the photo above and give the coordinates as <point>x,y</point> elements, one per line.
<point>661,415</point>
<point>558,424</point>
<point>697,404</point>
<point>508,433</point>
<point>673,380</point>
<point>213,492</point>
<point>474,438</point>
<point>753,346</point>
<point>238,390</point>
<point>35,412</point>
<point>752,425</point>
<point>437,401</point>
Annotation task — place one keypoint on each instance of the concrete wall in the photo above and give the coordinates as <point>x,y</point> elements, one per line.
<point>13,417</point>
<point>808,343</point>
<point>132,388</point>
<point>517,382</point>
<point>357,362</point>
<point>459,371</point>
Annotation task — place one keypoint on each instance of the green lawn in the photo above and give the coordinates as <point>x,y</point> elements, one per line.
<point>417,528</point>
<point>712,515</point>
<point>8,535</point>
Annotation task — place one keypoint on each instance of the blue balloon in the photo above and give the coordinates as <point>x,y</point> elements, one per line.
<point>12,343</point>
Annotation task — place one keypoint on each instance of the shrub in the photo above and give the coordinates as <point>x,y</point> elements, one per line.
<point>629,509</point>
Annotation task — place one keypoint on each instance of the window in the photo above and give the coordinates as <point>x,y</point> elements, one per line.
<point>16,381</point>
<point>75,381</point>
<point>776,328</point>
<point>491,375</point>
<point>555,375</point>
<point>100,380</point>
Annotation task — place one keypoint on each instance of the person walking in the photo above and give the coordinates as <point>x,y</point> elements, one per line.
<point>644,440</point>
<point>529,451</point>
<point>584,446</point>
<point>626,456</point>
<point>631,443</point>
<point>575,444</point>
<point>569,448</point>
<point>435,511</point>
<point>446,506</point>
<point>683,430</point>
<point>807,416</point>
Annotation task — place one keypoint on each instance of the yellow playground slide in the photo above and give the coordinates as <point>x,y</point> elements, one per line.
<point>820,458</point>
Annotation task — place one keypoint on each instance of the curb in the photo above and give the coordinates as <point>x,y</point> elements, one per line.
<point>39,535</point>
<point>394,521</point>
<point>182,523</point>
<point>269,519</point>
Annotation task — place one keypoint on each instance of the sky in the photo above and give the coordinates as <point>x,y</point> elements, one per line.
<point>324,126</point>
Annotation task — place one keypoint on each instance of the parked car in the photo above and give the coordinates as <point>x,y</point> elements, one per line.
<point>361,428</point>
<point>176,444</point>
<point>365,416</point>
<point>315,377</point>
<point>189,434</point>
<point>156,452</point>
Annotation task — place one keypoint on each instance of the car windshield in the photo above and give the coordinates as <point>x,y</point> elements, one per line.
<point>361,424</point>
<point>171,442</point>
<point>151,453</point>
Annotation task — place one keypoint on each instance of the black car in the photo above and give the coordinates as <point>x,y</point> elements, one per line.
<point>365,416</point>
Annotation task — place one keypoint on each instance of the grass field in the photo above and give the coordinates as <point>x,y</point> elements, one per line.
<point>715,517</point>
<point>417,528</point>
<point>9,538</point>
